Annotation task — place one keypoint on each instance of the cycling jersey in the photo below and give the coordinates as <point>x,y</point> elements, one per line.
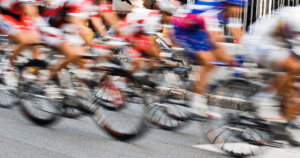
<point>193,21</point>
<point>102,7</point>
<point>267,28</point>
<point>136,25</point>
<point>58,11</point>
<point>14,6</point>
<point>266,43</point>
<point>55,29</point>
<point>12,17</point>
<point>204,16</point>
<point>141,21</point>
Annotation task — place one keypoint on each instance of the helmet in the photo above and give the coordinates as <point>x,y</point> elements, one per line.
<point>169,6</point>
<point>238,2</point>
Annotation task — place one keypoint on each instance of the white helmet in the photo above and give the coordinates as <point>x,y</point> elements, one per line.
<point>169,6</point>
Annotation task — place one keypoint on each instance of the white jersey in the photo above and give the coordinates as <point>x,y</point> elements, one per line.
<point>14,6</point>
<point>269,39</point>
<point>268,28</point>
<point>141,21</point>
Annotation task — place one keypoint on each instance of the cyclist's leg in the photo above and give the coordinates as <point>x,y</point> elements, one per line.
<point>134,58</point>
<point>54,37</point>
<point>204,58</point>
<point>198,47</point>
<point>279,59</point>
<point>22,32</point>
<point>149,46</point>
<point>36,52</point>
<point>221,55</point>
<point>23,38</point>
<point>285,88</point>
<point>153,47</point>
<point>73,54</point>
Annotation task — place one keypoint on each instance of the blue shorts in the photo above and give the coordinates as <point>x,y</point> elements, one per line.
<point>193,42</point>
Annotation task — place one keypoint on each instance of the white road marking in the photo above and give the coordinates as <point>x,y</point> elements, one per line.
<point>210,147</point>
<point>266,152</point>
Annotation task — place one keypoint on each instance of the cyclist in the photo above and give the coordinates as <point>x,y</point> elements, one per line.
<point>16,21</point>
<point>269,45</point>
<point>138,26</point>
<point>197,27</point>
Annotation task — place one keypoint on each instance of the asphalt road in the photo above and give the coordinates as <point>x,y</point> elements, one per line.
<point>82,138</point>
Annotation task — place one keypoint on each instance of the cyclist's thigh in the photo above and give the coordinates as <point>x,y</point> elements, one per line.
<point>71,51</point>
<point>291,65</point>
<point>205,58</point>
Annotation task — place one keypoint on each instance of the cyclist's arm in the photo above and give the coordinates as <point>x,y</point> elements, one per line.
<point>30,10</point>
<point>108,14</point>
<point>112,19</point>
<point>236,28</point>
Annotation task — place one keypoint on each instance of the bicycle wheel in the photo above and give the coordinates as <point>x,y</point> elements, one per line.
<point>238,133</point>
<point>35,106</point>
<point>166,116</point>
<point>164,111</point>
<point>38,110</point>
<point>128,122</point>
<point>111,94</point>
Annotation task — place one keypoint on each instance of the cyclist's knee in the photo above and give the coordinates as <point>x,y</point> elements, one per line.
<point>205,59</point>
<point>25,38</point>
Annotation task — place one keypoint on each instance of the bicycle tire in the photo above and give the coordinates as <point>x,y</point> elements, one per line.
<point>8,98</point>
<point>164,115</point>
<point>238,133</point>
<point>38,117</point>
<point>36,107</point>
<point>122,124</point>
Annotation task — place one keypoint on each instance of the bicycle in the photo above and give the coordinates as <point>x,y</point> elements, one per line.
<point>173,112</point>
<point>30,96</point>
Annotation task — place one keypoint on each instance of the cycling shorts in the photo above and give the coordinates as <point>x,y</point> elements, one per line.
<point>52,36</point>
<point>141,45</point>
<point>11,26</point>
<point>264,52</point>
<point>193,42</point>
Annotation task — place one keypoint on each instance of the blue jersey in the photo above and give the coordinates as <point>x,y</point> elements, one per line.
<point>210,14</point>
